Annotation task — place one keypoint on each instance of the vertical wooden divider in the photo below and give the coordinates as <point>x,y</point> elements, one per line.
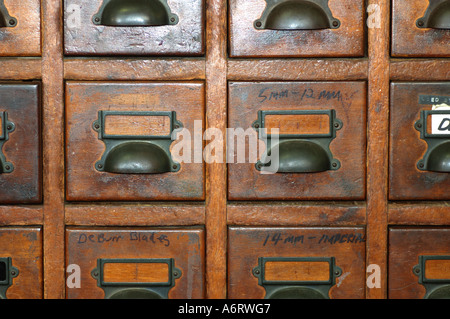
<point>216,117</point>
<point>53,149</point>
<point>377,153</point>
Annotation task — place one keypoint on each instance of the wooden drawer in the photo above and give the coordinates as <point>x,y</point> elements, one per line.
<point>419,162</point>
<point>419,263</point>
<point>20,143</point>
<point>119,141</point>
<point>20,28</point>
<point>21,263</point>
<point>140,27</point>
<point>281,28</point>
<point>296,262</point>
<point>162,262</point>
<point>420,29</point>
<point>322,141</point>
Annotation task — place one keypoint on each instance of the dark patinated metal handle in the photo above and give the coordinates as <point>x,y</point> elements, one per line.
<point>7,273</point>
<point>297,15</point>
<point>136,154</point>
<point>134,13</point>
<point>294,289</point>
<point>6,21</point>
<point>136,290</point>
<point>437,15</point>
<point>299,153</point>
<point>437,156</point>
<point>6,127</point>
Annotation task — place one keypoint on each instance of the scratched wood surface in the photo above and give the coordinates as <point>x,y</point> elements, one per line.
<point>405,247</point>
<point>22,103</point>
<point>408,40</point>
<point>92,60</point>
<point>187,246</point>
<point>84,100</point>
<point>25,38</point>
<point>406,181</point>
<point>24,246</point>
<point>245,40</point>
<point>348,99</point>
<point>247,244</point>
<point>83,37</point>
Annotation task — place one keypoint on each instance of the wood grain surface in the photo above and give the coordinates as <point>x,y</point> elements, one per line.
<point>22,102</point>
<point>25,38</point>
<point>247,244</point>
<point>406,181</point>
<point>84,246</point>
<point>348,99</point>
<point>24,246</point>
<point>84,100</point>
<point>246,41</point>
<point>408,40</point>
<point>83,37</point>
<point>406,244</point>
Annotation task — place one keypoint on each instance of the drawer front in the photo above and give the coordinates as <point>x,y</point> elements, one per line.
<point>420,141</point>
<point>420,28</point>
<point>322,140</point>
<point>282,28</point>
<point>20,154</point>
<point>140,27</point>
<point>21,263</point>
<point>133,263</point>
<point>296,263</point>
<point>419,263</point>
<point>119,144</point>
<point>20,28</point>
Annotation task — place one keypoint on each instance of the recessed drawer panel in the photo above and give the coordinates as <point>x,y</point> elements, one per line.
<point>20,28</point>
<point>20,143</point>
<point>419,263</point>
<point>296,263</point>
<point>282,28</point>
<point>139,263</point>
<point>138,27</point>
<point>420,141</point>
<point>421,28</point>
<point>319,151</point>
<point>21,263</point>
<point>134,141</point>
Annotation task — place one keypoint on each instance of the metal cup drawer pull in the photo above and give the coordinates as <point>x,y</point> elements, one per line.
<point>6,127</point>
<point>134,13</point>
<point>437,156</point>
<point>7,273</point>
<point>136,278</point>
<point>137,154</point>
<point>434,275</point>
<point>299,153</point>
<point>297,15</point>
<point>297,277</point>
<point>437,15</point>
<point>6,21</point>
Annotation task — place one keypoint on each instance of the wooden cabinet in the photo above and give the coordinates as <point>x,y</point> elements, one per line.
<point>20,28</point>
<point>321,143</point>
<point>418,263</point>
<point>419,145</point>
<point>108,27</point>
<point>420,28</point>
<point>120,124</point>
<point>277,28</point>
<point>21,262</point>
<point>123,134</point>
<point>159,263</point>
<point>296,263</point>
<point>20,138</point>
